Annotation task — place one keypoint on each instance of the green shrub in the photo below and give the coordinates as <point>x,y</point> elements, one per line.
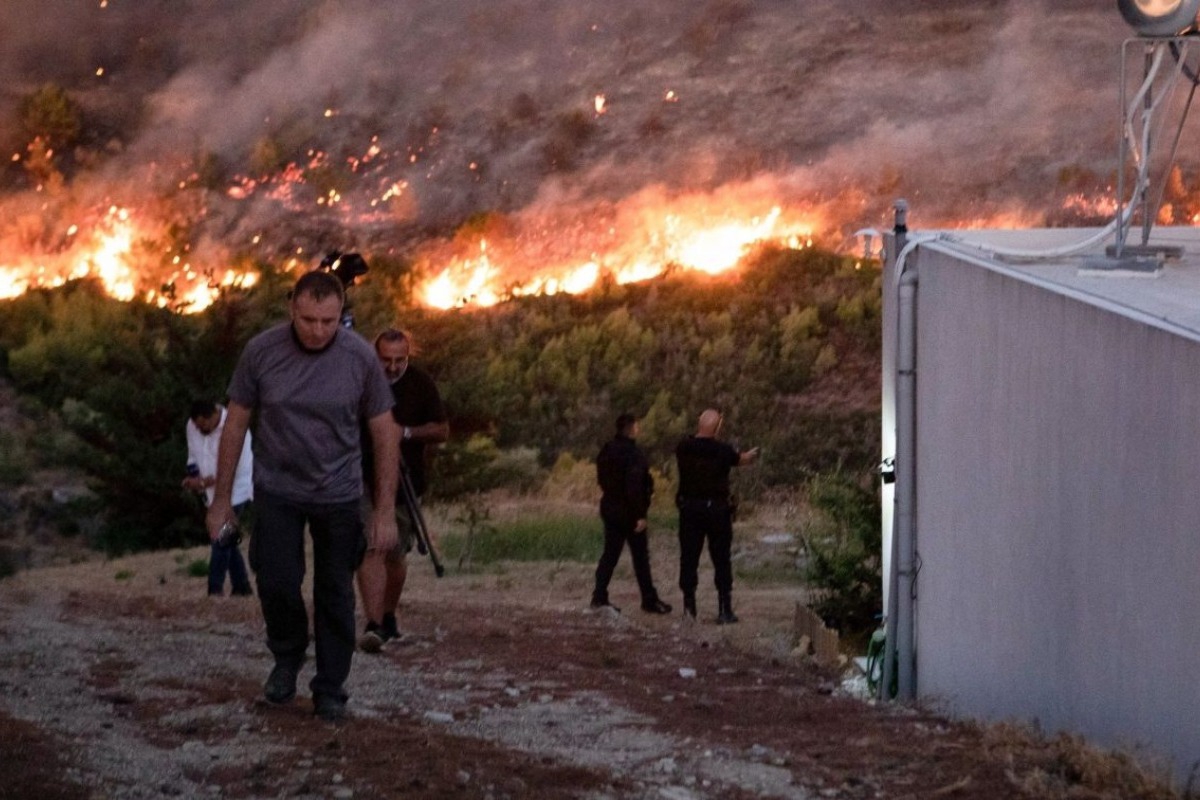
<point>15,463</point>
<point>844,553</point>
<point>572,479</point>
<point>52,114</point>
<point>477,465</point>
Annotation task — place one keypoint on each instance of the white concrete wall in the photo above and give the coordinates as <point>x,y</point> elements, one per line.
<point>1058,512</point>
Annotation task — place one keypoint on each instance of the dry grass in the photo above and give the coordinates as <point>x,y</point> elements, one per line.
<point>1066,767</point>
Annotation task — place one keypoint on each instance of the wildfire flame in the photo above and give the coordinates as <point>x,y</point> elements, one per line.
<point>549,248</point>
<point>672,239</point>
<point>109,251</point>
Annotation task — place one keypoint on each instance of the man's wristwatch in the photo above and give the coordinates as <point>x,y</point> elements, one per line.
<point>407,433</point>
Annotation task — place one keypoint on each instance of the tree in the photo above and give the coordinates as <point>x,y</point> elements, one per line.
<point>50,114</point>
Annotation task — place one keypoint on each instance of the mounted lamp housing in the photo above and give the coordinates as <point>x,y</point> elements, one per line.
<point>1161,17</point>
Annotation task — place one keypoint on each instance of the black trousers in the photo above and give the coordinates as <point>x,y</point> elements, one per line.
<point>701,520</point>
<point>618,532</point>
<point>277,558</point>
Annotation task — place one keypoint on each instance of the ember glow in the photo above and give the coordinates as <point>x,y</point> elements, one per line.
<point>633,247</point>
<point>112,250</point>
<point>569,248</point>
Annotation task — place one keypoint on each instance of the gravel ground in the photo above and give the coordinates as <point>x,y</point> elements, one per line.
<point>122,680</point>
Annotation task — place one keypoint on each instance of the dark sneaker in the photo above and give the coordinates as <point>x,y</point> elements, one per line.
<point>689,605</point>
<point>247,592</point>
<point>280,687</point>
<point>329,709</point>
<point>389,630</point>
<point>372,639</point>
<point>598,604</point>
<point>656,607</point>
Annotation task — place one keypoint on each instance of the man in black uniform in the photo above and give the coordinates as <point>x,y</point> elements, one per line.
<point>705,511</point>
<point>422,419</point>
<point>624,477</point>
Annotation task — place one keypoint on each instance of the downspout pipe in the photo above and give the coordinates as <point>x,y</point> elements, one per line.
<point>899,625</point>
<point>904,535</point>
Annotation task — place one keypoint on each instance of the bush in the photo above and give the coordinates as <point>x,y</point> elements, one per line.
<point>50,114</point>
<point>844,545</point>
<point>478,465</point>
<point>14,460</point>
<point>573,480</point>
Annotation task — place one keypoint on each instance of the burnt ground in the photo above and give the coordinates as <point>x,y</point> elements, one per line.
<point>121,680</point>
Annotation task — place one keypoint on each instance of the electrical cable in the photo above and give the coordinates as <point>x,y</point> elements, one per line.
<point>1141,161</point>
<point>1192,75</point>
<point>1130,114</point>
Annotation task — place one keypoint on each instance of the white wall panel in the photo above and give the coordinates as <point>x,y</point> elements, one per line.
<point>1058,510</point>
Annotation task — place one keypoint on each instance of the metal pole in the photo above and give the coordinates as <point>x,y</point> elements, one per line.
<point>1147,212</point>
<point>1122,155</point>
<point>891,628</point>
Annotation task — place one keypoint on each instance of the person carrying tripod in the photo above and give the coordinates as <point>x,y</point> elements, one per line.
<point>422,420</point>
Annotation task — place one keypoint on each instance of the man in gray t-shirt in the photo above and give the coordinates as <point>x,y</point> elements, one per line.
<point>313,384</point>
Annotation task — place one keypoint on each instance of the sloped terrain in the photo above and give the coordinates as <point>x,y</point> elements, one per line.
<point>121,679</point>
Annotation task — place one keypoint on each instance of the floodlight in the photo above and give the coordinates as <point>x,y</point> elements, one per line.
<point>1161,17</point>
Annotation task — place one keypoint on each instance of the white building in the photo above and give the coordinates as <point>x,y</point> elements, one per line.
<point>1054,482</point>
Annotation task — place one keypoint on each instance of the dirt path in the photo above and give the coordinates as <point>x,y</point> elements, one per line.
<point>139,686</point>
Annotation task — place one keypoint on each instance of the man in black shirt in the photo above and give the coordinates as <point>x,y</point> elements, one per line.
<point>422,419</point>
<point>626,485</point>
<point>705,512</point>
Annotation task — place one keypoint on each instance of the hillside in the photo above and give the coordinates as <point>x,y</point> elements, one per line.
<point>595,130</point>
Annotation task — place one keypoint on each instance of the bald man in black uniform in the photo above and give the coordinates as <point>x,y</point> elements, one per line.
<point>705,512</point>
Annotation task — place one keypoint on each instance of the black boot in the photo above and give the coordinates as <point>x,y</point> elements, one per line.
<point>725,615</point>
<point>689,605</point>
<point>601,601</point>
<point>656,606</point>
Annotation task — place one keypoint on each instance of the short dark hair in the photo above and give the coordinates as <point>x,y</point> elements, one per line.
<point>396,335</point>
<point>319,284</point>
<point>392,335</point>
<point>202,409</point>
<point>625,422</point>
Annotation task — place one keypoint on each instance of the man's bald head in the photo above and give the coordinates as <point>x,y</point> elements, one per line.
<point>710,423</point>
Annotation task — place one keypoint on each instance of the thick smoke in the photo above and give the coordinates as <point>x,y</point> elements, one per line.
<point>972,110</point>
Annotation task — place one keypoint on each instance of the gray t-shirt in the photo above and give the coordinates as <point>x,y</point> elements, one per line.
<point>311,407</point>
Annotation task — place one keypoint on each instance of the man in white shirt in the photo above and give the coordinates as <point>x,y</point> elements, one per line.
<point>206,420</point>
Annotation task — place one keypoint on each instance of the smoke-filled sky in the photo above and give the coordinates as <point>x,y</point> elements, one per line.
<point>988,109</point>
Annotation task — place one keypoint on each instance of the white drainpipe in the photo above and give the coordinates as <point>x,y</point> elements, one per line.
<point>901,616</point>
<point>905,535</point>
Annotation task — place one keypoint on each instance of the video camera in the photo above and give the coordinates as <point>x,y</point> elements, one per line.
<point>346,267</point>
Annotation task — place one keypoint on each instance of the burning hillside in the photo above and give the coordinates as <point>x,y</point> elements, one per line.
<point>174,151</point>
